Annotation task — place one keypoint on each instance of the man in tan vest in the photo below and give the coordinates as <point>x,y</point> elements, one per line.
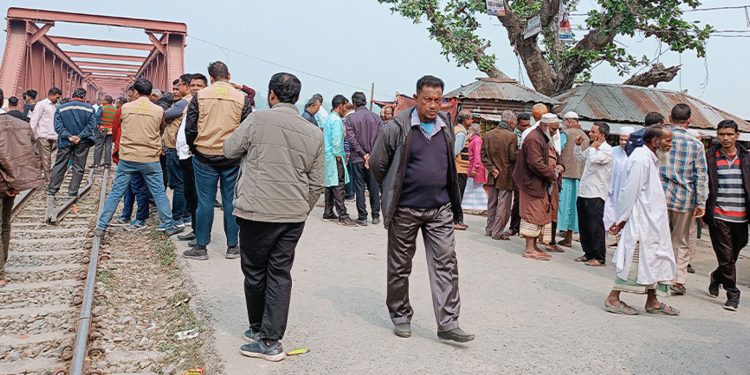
<point>463,122</point>
<point>139,151</point>
<point>173,118</point>
<point>567,215</point>
<point>213,114</point>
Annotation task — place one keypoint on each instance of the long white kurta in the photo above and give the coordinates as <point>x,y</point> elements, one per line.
<point>619,157</point>
<point>643,206</point>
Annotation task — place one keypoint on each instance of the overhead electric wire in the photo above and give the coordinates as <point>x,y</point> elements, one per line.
<point>318,76</point>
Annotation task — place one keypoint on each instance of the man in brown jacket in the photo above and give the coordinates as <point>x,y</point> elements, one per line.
<point>533,176</point>
<point>499,153</point>
<point>20,169</point>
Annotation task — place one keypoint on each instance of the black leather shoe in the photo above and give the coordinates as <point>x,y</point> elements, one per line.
<point>402,330</point>
<point>186,237</point>
<point>456,334</point>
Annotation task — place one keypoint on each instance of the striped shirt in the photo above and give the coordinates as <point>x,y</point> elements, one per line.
<point>730,198</point>
<point>108,112</point>
<point>685,175</point>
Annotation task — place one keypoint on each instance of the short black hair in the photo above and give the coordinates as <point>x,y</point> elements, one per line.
<point>108,99</point>
<point>286,87</point>
<point>359,99</point>
<point>218,70</point>
<point>460,118</point>
<point>338,100</point>
<point>2,97</point>
<point>30,94</point>
<point>199,76</point>
<point>653,118</point>
<point>523,116</point>
<point>186,78</point>
<point>603,128</point>
<point>430,81</point>
<point>175,82</point>
<point>656,131</point>
<point>12,101</point>
<point>723,124</point>
<point>143,86</point>
<point>681,113</point>
<point>54,91</point>
<point>79,93</point>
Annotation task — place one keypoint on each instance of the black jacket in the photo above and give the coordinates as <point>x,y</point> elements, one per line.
<point>390,154</point>
<point>713,180</point>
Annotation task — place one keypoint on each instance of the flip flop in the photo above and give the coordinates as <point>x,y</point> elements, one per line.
<point>581,259</point>
<point>537,256</point>
<point>622,308</point>
<point>594,263</point>
<point>553,249</point>
<point>3,283</point>
<point>663,309</point>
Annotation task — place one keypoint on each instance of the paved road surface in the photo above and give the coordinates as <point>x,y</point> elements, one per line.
<point>529,316</point>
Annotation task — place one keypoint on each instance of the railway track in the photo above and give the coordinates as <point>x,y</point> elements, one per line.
<point>45,310</point>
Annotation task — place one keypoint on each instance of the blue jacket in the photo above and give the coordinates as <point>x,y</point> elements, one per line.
<point>75,118</point>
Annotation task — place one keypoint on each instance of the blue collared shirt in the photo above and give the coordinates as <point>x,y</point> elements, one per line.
<point>439,124</point>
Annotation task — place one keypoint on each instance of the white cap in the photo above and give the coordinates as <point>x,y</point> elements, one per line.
<point>571,114</point>
<point>549,118</point>
<point>627,130</point>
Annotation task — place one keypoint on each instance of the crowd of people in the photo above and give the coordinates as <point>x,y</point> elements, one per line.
<point>536,175</point>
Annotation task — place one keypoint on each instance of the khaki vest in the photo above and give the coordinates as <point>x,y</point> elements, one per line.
<point>573,168</point>
<point>219,114</point>
<point>140,122</point>
<point>462,159</point>
<point>170,133</point>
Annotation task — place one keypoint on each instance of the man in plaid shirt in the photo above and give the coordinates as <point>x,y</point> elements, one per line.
<point>684,176</point>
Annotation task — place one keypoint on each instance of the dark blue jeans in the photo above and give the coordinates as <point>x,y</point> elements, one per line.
<point>136,192</point>
<point>207,178</point>
<point>177,184</point>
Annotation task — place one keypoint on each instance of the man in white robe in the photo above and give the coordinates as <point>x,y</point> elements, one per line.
<point>644,260</point>
<point>619,157</point>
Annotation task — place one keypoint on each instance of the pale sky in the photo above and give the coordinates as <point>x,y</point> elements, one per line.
<point>358,42</point>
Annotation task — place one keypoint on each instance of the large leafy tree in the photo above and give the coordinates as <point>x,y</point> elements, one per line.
<point>554,66</point>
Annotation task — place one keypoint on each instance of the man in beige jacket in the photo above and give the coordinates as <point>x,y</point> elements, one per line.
<point>280,181</point>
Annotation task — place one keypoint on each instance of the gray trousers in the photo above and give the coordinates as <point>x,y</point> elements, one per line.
<point>103,146</point>
<point>76,154</point>
<point>439,242</point>
<point>499,205</point>
<point>45,147</point>
<point>6,207</point>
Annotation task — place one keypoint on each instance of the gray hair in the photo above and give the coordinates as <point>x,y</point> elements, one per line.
<point>317,98</point>
<point>508,116</point>
<point>156,92</point>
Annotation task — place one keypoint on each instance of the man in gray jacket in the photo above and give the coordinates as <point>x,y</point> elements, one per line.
<point>281,179</point>
<point>413,158</point>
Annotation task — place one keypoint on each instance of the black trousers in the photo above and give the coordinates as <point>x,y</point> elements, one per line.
<point>462,177</point>
<point>76,154</point>
<point>364,178</point>
<point>727,240</point>
<point>188,179</point>
<point>267,255</point>
<point>515,215</point>
<point>591,228</point>
<point>335,195</point>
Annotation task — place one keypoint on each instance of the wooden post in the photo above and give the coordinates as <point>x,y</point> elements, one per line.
<point>372,95</point>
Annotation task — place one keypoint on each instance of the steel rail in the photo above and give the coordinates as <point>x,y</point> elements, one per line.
<point>84,322</point>
<point>59,213</point>
<point>20,201</point>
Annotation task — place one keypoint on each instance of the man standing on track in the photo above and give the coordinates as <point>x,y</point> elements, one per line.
<point>42,119</point>
<point>21,170</point>
<point>75,124</point>
<point>138,154</point>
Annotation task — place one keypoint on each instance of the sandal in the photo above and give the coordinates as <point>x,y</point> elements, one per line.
<point>663,309</point>
<point>594,263</point>
<point>553,249</point>
<point>3,283</point>
<point>581,259</point>
<point>537,256</point>
<point>565,243</point>
<point>621,308</point>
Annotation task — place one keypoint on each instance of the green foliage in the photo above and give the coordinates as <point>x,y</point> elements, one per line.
<point>454,24</point>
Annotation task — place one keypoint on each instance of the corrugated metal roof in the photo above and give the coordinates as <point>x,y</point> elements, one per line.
<point>499,89</point>
<point>630,104</point>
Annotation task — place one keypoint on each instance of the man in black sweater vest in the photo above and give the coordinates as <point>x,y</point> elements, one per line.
<point>413,159</point>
